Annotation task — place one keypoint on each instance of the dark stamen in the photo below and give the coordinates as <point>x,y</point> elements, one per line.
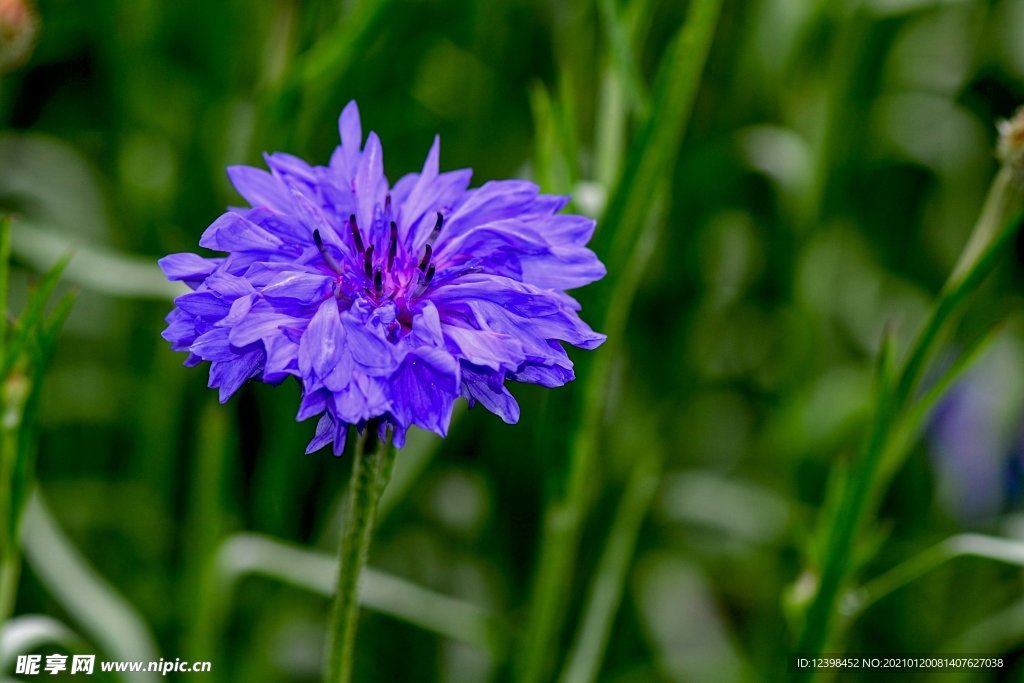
<point>427,253</point>
<point>368,261</point>
<point>354,229</point>
<point>425,279</point>
<point>393,247</point>
<point>323,251</point>
<point>378,280</point>
<point>437,229</point>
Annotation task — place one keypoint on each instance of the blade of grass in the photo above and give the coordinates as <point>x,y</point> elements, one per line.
<point>28,633</point>
<point>94,268</point>
<point>28,441</point>
<point>331,56</point>
<point>911,423</point>
<point>623,54</point>
<point>20,398</point>
<point>215,442</point>
<point>657,143</point>
<point>652,157</point>
<point>962,545</point>
<point>870,473</point>
<point>248,554</point>
<point>33,314</point>
<point>5,276</point>
<point>103,614</point>
<point>605,592</point>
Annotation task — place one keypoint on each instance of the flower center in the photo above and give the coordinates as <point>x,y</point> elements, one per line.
<point>376,278</point>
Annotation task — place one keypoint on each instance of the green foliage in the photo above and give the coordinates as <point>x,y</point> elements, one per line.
<point>782,191</point>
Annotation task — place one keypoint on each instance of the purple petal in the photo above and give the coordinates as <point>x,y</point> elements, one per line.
<point>259,188</point>
<point>305,288</point>
<point>484,347</point>
<point>322,343</point>
<point>189,268</point>
<point>423,389</point>
<point>496,398</point>
<point>230,376</point>
<point>370,184</point>
<point>323,436</point>
<point>262,321</point>
<point>214,346</point>
<point>205,305</point>
<point>350,129</point>
<point>231,232</point>
<point>363,398</point>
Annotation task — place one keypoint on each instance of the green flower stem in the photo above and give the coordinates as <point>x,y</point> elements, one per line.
<point>371,470</point>
<point>10,418</point>
<point>10,572</point>
<point>215,444</point>
<point>870,474</point>
<point>5,271</point>
<point>14,395</point>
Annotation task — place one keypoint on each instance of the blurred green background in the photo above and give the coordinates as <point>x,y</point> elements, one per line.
<point>835,161</point>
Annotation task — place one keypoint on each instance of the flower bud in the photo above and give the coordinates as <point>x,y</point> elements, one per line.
<point>19,25</point>
<point>1010,148</point>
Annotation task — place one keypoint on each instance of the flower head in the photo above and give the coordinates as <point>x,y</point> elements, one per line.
<point>386,302</point>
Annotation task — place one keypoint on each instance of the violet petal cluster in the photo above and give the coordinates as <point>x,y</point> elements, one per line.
<point>386,302</point>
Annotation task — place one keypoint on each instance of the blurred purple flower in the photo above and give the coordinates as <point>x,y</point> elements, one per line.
<point>384,301</point>
<point>976,436</point>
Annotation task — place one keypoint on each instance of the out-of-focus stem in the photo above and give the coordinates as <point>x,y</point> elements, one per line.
<point>14,394</point>
<point>654,153</point>
<point>371,470</point>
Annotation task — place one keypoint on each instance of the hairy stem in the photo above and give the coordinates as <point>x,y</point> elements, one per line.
<point>371,470</point>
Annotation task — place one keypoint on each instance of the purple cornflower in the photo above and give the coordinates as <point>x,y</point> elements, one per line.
<point>384,301</point>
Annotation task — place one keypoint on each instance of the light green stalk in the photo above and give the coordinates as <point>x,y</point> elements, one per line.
<point>371,470</point>
<point>887,444</point>
<point>14,393</point>
<point>619,240</point>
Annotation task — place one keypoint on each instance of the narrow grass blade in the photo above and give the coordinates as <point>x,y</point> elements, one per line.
<point>215,443</point>
<point>28,633</point>
<point>605,592</point>
<point>102,613</point>
<point>5,278</point>
<point>656,147</point>
<point>623,54</point>
<point>911,423</point>
<point>1001,550</point>
<point>95,269</point>
<point>34,314</point>
<point>245,555</point>
<point>653,154</point>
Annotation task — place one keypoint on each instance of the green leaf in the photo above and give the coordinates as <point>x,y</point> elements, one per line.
<point>1002,550</point>
<point>606,588</point>
<point>623,240</point>
<point>94,268</point>
<point>27,325</point>
<point>104,615</point>
<point>28,633</point>
<point>249,554</point>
